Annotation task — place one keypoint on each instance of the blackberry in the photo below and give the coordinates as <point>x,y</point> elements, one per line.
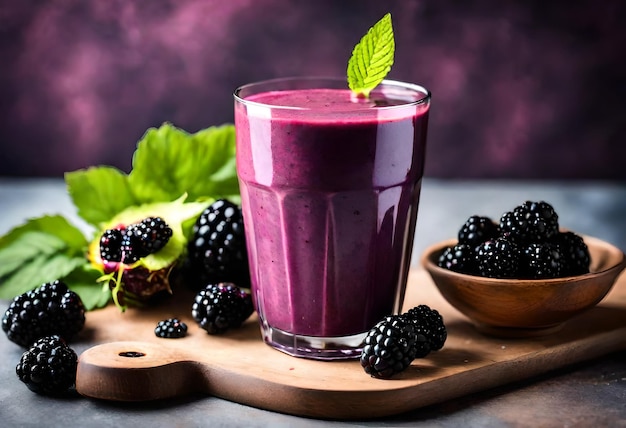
<point>576,258</point>
<point>541,260</point>
<point>153,234</point>
<point>530,222</point>
<point>429,322</point>
<point>498,258</point>
<point>220,307</point>
<point>389,347</point>
<point>476,230</point>
<point>129,254</point>
<point>217,250</point>
<point>171,328</point>
<point>459,258</point>
<point>47,310</point>
<point>48,367</point>
<point>111,245</point>
<point>144,238</point>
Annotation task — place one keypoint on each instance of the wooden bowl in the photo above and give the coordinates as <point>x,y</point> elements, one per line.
<point>526,307</point>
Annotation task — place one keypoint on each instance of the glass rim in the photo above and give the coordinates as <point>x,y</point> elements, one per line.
<point>413,87</point>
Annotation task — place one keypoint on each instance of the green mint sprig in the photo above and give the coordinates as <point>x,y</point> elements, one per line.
<point>372,58</point>
<point>174,174</point>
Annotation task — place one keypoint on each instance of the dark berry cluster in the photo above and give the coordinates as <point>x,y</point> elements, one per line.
<point>525,244</point>
<point>48,367</point>
<point>396,340</point>
<point>129,243</point>
<point>171,328</point>
<point>220,307</point>
<point>217,250</point>
<point>51,309</point>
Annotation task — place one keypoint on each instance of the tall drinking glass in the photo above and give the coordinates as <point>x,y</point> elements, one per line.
<point>330,187</point>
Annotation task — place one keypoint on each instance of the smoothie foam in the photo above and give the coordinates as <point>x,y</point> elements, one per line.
<point>330,189</point>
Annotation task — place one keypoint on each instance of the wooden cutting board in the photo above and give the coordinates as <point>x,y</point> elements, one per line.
<point>132,364</point>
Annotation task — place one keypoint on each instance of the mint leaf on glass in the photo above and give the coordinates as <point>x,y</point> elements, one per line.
<point>99,193</point>
<point>372,58</point>
<point>170,162</point>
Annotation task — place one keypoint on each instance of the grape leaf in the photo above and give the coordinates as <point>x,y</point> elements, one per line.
<point>99,193</point>
<point>372,58</point>
<point>170,162</point>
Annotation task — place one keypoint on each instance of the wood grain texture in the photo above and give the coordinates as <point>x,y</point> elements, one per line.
<point>239,367</point>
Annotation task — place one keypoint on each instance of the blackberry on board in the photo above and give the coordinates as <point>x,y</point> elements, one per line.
<point>48,367</point>
<point>389,347</point>
<point>171,328</point>
<point>220,307</point>
<point>576,258</point>
<point>498,258</point>
<point>217,249</point>
<point>476,230</point>
<point>530,222</point>
<point>429,322</point>
<point>51,309</point>
<point>542,260</point>
<point>459,258</point>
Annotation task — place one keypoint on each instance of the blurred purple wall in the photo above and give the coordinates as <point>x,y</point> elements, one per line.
<point>529,89</point>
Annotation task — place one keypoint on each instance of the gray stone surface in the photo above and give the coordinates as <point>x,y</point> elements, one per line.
<point>588,394</point>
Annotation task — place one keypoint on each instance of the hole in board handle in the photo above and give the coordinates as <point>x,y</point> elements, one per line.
<point>132,354</point>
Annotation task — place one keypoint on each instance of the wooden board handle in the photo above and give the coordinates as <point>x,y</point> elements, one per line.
<point>137,371</point>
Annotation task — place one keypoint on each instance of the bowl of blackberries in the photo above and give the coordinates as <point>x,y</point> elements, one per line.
<point>523,274</point>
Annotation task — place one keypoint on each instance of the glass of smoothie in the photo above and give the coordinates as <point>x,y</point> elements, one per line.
<point>330,186</point>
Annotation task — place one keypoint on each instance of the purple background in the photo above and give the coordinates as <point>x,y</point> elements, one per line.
<point>521,89</point>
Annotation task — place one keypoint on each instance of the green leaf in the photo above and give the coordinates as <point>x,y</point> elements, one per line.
<point>55,225</point>
<point>28,246</point>
<point>174,213</point>
<point>38,270</point>
<point>170,162</point>
<point>83,281</point>
<point>99,193</point>
<point>372,58</point>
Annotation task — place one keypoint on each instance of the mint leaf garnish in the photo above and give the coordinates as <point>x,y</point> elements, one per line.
<point>170,162</point>
<point>372,58</point>
<point>99,193</point>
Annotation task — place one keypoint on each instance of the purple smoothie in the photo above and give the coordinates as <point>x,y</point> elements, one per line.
<point>330,189</point>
